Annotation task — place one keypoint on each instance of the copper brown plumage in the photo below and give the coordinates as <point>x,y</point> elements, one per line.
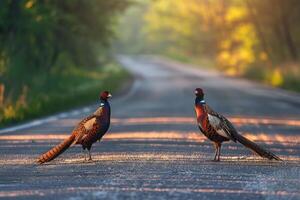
<point>218,129</point>
<point>87,132</point>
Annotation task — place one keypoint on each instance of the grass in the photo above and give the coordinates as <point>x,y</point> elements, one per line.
<point>48,94</point>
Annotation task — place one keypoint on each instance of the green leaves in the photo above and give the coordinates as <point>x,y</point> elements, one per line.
<point>35,33</point>
<point>42,39</point>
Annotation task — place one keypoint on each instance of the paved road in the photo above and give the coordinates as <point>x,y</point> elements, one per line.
<point>154,150</point>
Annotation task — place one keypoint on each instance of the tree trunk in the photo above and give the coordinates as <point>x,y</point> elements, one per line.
<point>288,38</point>
<point>284,13</point>
<point>260,34</point>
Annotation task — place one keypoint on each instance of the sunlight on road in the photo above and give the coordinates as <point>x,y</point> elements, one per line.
<point>278,142</point>
<point>159,135</point>
<point>191,120</point>
<point>163,147</point>
<point>280,138</point>
<point>237,120</point>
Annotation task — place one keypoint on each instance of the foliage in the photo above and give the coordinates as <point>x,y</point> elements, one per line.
<point>130,34</point>
<point>253,38</point>
<point>64,91</point>
<point>43,42</point>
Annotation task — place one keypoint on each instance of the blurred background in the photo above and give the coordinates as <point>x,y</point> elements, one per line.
<point>55,54</point>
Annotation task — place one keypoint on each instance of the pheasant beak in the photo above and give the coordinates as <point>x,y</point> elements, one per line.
<point>109,95</point>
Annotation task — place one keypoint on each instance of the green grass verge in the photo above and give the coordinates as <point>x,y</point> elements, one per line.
<point>63,91</point>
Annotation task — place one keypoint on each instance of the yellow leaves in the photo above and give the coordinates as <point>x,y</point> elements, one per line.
<point>29,4</point>
<point>238,49</point>
<point>177,27</point>
<point>224,55</point>
<point>247,55</point>
<point>182,22</point>
<point>225,59</point>
<point>9,109</point>
<point>246,33</point>
<point>276,78</point>
<point>235,13</point>
<point>228,62</point>
<point>225,44</point>
<point>225,28</point>
<point>9,112</point>
<point>168,17</point>
<point>186,24</point>
<point>232,71</point>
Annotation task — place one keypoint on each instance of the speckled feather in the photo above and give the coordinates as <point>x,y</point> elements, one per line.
<point>219,129</point>
<point>205,126</point>
<point>87,132</point>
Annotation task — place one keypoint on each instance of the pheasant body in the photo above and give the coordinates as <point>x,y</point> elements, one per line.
<point>93,127</point>
<point>205,127</point>
<point>87,132</point>
<point>218,129</point>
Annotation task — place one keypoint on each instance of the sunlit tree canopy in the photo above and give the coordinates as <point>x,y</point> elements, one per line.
<point>253,38</point>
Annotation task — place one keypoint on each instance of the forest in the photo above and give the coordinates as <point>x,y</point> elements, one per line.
<point>256,39</point>
<point>54,54</point>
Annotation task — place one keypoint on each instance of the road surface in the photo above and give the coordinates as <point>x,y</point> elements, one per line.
<point>154,150</point>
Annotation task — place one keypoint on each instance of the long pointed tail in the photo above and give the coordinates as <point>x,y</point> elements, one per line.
<point>56,151</point>
<point>256,148</point>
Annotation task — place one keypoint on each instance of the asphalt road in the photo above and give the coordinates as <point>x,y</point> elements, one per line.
<point>154,150</point>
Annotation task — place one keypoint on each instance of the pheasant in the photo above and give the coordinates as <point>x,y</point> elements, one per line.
<point>218,129</point>
<point>87,132</point>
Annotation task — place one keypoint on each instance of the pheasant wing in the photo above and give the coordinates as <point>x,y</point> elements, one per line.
<point>222,125</point>
<point>83,126</point>
<point>88,125</point>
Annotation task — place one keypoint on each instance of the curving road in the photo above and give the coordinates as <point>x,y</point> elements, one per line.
<point>154,150</point>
